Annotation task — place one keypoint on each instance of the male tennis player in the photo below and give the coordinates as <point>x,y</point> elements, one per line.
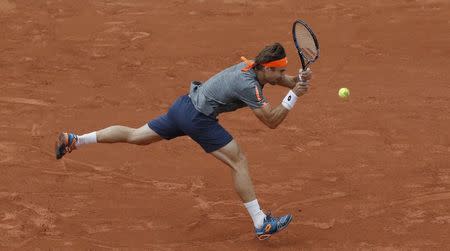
<point>196,114</point>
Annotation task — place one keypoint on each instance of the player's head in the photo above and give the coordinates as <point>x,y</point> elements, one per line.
<point>275,55</point>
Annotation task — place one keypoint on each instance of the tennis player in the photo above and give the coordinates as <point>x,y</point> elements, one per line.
<point>195,115</point>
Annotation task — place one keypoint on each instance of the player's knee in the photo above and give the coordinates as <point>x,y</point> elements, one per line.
<point>240,163</point>
<point>135,138</point>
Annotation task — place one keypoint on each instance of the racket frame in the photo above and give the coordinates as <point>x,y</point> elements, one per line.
<point>299,50</point>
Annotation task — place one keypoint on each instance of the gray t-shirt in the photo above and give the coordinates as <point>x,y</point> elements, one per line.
<point>227,91</point>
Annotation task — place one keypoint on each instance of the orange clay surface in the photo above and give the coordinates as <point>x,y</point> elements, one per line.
<point>369,173</point>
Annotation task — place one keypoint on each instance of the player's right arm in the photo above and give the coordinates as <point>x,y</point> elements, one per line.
<point>272,117</point>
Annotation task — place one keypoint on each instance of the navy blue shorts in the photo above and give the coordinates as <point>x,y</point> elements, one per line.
<point>183,119</point>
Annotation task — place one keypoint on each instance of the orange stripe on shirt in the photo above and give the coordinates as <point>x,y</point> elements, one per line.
<point>257,94</point>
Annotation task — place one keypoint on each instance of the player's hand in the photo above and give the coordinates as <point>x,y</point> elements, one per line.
<point>304,75</point>
<point>301,88</point>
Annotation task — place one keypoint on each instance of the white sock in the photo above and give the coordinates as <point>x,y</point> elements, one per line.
<point>89,138</point>
<point>255,212</point>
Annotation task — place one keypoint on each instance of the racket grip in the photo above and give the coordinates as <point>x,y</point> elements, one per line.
<point>300,74</point>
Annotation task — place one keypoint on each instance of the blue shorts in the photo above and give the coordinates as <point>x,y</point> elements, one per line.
<point>183,119</point>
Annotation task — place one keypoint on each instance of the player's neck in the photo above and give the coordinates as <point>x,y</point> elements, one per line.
<point>260,77</point>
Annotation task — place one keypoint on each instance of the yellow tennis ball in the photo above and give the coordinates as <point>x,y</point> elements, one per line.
<point>344,93</point>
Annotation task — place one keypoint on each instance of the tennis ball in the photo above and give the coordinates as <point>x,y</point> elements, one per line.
<point>344,93</point>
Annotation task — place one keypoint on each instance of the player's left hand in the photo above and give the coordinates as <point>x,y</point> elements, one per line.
<point>304,75</point>
<point>301,88</point>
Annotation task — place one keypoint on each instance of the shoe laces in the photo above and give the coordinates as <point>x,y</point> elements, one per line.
<point>269,215</point>
<point>70,147</point>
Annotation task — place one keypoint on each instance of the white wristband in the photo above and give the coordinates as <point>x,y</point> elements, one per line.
<point>289,100</point>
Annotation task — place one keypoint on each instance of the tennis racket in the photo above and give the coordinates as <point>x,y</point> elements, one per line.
<point>306,43</point>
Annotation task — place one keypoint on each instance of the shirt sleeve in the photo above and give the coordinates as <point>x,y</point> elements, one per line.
<point>252,95</point>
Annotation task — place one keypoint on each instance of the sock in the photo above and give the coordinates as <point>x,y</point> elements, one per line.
<point>88,138</point>
<point>255,212</point>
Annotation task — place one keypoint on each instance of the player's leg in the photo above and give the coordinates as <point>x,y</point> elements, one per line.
<point>265,225</point>
<point>115,134</point>
<point>214,139</point>
<point>162,127</point>
<point>143,135</point>
<point>232,155</point>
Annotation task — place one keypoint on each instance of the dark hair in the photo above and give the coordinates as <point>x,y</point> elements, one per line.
<point>269,53</point>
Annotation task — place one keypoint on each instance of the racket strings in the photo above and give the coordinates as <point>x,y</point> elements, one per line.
<point>306,42</point>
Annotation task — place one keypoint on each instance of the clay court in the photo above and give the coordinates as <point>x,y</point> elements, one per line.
<point>371,173</point>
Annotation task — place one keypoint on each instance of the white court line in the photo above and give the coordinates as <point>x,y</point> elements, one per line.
<point>25,101</point>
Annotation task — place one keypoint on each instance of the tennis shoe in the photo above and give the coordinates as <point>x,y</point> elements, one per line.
<point>65,143</point>
<point>272,225</point>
